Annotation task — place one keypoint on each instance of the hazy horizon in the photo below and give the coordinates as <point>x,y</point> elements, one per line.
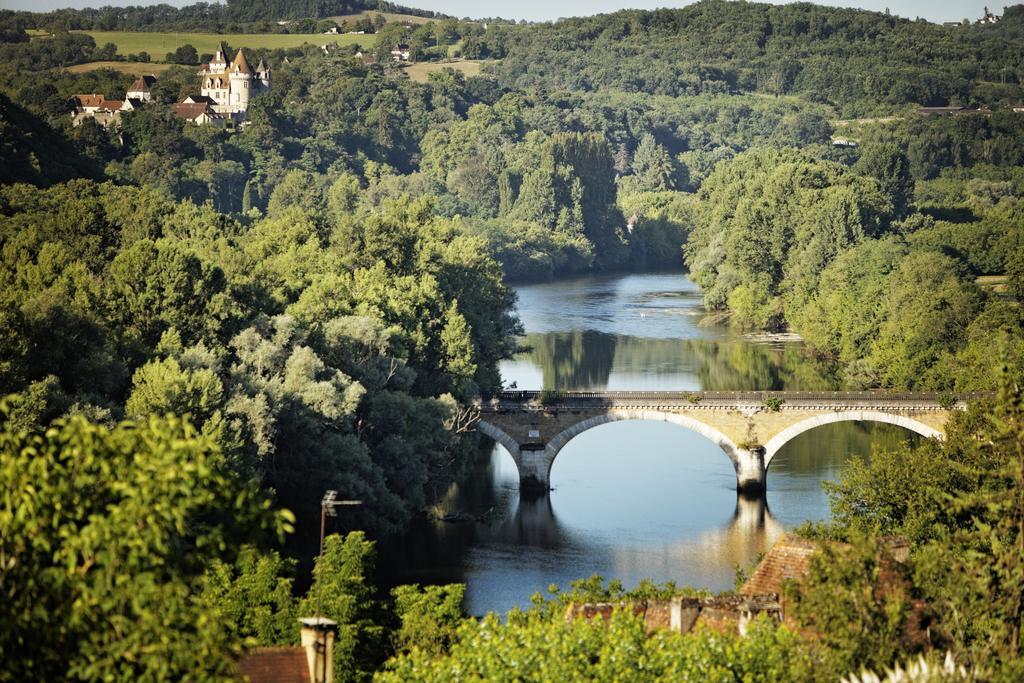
<point>534,10</point>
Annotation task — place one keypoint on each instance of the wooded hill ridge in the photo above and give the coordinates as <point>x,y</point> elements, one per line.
<point>856,59</point>
<point>208,16</point>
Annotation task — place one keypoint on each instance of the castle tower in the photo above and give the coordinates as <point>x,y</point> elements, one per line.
<point>241,82</point>
<point>263,76</point>
<point>219,63</point>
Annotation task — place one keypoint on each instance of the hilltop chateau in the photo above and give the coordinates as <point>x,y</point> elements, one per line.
<point>225,89</point>
<point>230,85</point>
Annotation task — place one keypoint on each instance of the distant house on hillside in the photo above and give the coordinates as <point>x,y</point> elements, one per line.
<point>87,104</point>
<point>199,113</point>
<point>989,18</point>
<point>98,108</point>
<point>140,89</point>
<point>401,53</point>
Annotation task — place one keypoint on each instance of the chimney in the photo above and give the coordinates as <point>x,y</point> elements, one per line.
<point>318,639</point>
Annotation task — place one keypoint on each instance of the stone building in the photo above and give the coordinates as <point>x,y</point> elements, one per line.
<point>108,112</point>
<point>140,89</point>
<point>230,85</point>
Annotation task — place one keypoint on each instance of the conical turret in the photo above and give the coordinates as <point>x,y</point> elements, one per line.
<point>241,82</point>
<point>240,65</point>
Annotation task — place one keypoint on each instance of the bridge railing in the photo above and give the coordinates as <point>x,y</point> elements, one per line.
<point>549,396</point>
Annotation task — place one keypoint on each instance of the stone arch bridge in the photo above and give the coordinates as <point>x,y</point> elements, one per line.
<point>749,426</point>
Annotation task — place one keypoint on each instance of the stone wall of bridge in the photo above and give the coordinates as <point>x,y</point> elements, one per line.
<point>749,432</point>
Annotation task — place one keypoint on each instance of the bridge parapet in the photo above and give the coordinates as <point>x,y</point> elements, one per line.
<point>781,400</point>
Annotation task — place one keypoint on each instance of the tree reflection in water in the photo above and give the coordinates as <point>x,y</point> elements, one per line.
<point>589,360</point>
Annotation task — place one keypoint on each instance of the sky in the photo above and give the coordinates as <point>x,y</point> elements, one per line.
<point>543,10</point>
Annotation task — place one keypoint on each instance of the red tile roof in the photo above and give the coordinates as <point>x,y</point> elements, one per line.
<point>275,665</point>
<point>142,84</point>
<point>789,558</point>
<point>88,100</point>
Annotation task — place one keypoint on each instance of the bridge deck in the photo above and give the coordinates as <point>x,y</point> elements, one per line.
<point>718,399</point>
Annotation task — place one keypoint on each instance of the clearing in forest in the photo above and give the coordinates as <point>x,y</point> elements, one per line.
<point>158,44</point>
<point>421,70</point>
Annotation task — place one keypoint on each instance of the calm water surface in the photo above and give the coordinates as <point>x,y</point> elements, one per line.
<point>631,500</point>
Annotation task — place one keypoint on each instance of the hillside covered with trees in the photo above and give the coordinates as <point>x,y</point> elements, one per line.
<point>203,329</point>
<point>202,16</point>
<point>859,61</point>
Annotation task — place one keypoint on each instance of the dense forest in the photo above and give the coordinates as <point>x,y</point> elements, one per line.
<point>859,61</point>
<point>201,16</point>
<point>203,329</point>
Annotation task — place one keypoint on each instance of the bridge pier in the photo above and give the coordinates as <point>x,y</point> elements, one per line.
<point>534,467</point>
<point>750,470</point>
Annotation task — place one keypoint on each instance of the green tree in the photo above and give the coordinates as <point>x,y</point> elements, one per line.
<point>536,647</point>
<point>186,54</point>
<point>1015,276</point>
<point>155,286</point>
<point>927,310</point>
<point>652,166</point>
<point>430,618</point>
<point>887,163</point>
<point>859,603</point>
<point>163,386</point>
<point>457,342</point>
<point>960,503</point>
<point>104,534</point>
<point>342,591</point>
<point>991,563</point>
<point>253,597</point>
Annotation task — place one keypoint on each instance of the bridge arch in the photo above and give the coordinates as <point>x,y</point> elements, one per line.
<point>779,440</point>
<point>502,437</point>
<point>556,444</point>
<point>747,464</point>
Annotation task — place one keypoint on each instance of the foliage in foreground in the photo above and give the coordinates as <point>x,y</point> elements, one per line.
<point>535,647</point>
<point>961,504</point>
<point>103,536</point>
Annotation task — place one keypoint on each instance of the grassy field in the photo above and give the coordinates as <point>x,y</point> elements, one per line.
<point>133,68</point>
<point>389,16</point>
<point>420,71</point>
<point>159,44</point>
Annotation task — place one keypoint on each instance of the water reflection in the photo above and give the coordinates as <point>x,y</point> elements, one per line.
<point>590,360</point>
<point>797,471</point>
<point>631,500</point>
<point>534,524</point>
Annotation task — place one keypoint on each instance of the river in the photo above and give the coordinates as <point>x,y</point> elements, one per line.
<point>637,499</point>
